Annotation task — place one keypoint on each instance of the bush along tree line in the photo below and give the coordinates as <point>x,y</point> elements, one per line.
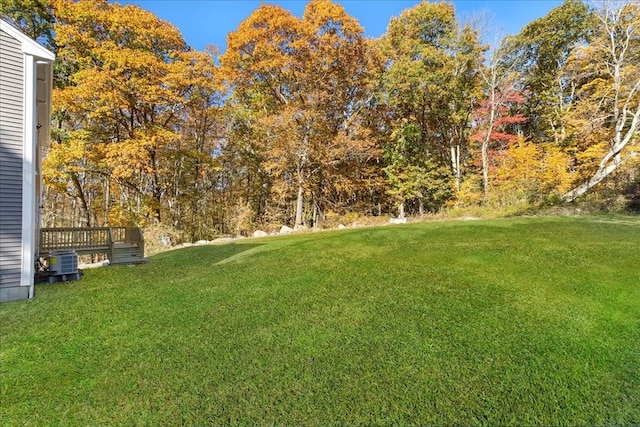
<point>303,120</point>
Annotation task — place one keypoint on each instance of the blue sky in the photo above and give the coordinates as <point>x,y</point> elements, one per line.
<point>207,22</point>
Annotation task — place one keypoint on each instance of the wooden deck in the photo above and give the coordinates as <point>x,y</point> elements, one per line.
<point>122,245</point>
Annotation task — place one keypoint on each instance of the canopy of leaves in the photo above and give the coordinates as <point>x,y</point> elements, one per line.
<point>540,53</point>
<point>306,81</point>
<point>305,118</point>
<point>128,77</point>
<point>430,86</point>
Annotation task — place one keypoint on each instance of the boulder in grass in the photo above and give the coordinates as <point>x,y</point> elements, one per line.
<point>341,226</point>
<point>286,230</point>
<point>398,220</point>
<point>260,233</point>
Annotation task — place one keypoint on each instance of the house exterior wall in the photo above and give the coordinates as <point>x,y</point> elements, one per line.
<point>25,104</point>
<point>12,136</point>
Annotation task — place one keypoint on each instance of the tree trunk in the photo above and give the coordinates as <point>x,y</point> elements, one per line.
<point>485,145</point>
<point>401,209</point>
<point>85,218</point>
<point>302,160</point>
<point>601,174</point>
<point>485,166</point>
<point>106,201</point>
<point>156,190</point>
<point>613,158</point>
<point>299,204</point>
<point>455,162</point>
<point>315,216</point>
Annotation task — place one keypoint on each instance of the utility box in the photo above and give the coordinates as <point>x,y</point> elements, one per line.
<point>63,266</point>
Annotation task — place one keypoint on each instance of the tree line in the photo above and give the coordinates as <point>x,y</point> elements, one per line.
<point>304,119</point>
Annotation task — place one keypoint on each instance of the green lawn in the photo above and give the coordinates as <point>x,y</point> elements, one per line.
<point>532,321</point>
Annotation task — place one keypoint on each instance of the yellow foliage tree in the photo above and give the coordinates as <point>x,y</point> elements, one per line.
<point>530,173</point>
<point>125,80</point>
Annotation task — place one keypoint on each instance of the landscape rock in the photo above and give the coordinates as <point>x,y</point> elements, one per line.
<point>286,230</point>
<point>398,220</point>
<point>341,226</point>
<point>260,233</point>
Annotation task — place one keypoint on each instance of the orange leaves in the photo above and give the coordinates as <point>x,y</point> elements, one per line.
<point>195,69</point>
<point>120,53</point>
<point>260,47</point>
<point>98,24</point>
<point>63,158</point>
<point>66,159</point>
<point>283,56</point>
<point>329,22</point>
<point>128,77</point>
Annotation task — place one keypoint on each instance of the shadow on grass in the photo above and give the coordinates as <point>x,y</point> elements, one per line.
<point>211,254</point>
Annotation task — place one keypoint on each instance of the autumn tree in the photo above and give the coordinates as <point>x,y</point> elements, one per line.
<point>528,174</point>
<point>260,65</point>
<point>502,96</point>
<point>306,81</point>
<point>413,176</point>
<point>120,99</point>
<point>431,86</point>
<point>607,77</point>
<point>540,53</point>
<point>493,120</point>
<point>193,165</point>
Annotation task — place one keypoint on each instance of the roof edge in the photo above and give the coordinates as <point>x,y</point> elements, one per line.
<point>29,46</point>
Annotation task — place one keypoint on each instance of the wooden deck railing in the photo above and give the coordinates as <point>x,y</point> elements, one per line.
<point>91,240</point>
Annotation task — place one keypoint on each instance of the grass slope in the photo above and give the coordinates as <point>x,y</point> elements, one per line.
<point>506,322</point>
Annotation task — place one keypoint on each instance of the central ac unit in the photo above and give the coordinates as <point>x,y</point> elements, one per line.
<point>63,266</point>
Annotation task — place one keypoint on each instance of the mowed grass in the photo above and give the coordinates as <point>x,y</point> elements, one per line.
<point>505,322</point>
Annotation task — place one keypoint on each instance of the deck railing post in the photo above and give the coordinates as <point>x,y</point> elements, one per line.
<point>141,242</point>
<point>111,245</point>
